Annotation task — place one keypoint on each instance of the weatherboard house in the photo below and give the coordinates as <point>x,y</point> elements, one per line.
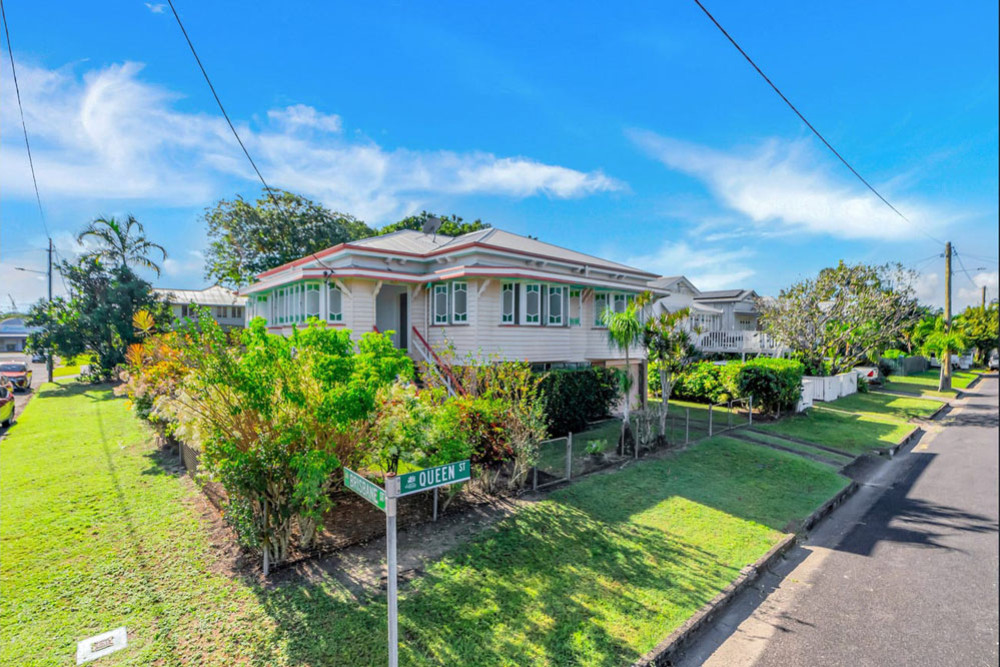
<point>488,293</point>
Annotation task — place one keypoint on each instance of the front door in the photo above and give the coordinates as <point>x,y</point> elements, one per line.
<point>391,313</point>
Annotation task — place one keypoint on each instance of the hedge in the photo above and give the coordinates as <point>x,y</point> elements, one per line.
<point>572,398</point>
<point>706,382</point>
<point>774,384</point>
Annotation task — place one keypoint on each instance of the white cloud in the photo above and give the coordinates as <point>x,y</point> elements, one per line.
<point>930,289</point>
<point>191,264</point>
<point>109,135</point>
<point>707,268</point>
<point>156,8</point>
<point>782,187</point>
<point>300,115</point>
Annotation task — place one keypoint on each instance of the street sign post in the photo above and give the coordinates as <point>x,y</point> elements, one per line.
<point>385,500</point>
<point>430,478</point>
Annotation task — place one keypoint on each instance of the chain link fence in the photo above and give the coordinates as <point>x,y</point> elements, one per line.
<point>654,428</point>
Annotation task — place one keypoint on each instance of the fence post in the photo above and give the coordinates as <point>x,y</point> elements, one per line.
<point>687,425</point>
<point>710,420</point>
<point>751,410</point>
<point>730,414</point>
<point>534,478</point>
<point>569,455</point>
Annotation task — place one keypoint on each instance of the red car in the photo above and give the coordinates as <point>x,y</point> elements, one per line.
<point>17,373</point>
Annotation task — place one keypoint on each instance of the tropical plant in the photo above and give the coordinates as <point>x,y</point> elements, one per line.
<point>97,315</point>
<point>624,332</point>
<point>122,243</point>
<point>848,315</point>
<point>941,343</point>
<point>981,328</point>
<point>671,351</point>
<point>276,417</point>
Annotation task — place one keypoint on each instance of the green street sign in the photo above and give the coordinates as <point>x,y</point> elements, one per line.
<point>371,492</point>
<point>429,478</point>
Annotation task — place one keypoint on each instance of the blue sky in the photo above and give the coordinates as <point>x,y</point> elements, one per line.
<point>632,132</point>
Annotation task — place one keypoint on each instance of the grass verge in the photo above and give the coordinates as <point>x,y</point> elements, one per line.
<point>96,534</point>
<point>926,383</point>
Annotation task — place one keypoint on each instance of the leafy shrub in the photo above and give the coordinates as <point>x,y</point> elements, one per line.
<point>886,368</point>
<point>706,382</point>
<point>895,354</point>
<point>572,398</point>
<point>774,384</point>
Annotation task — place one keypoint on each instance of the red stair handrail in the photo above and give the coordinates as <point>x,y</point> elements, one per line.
<point>443,366</point>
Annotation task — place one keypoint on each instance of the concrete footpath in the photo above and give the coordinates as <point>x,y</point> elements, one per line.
<point>905,573</point>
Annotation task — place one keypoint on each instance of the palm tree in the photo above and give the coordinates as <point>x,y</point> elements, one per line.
<point>122,243</point>
<point>624,332</point>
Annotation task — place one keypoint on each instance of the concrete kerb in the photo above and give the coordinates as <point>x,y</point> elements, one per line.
<point>913,435</point>
<point>662,655</point>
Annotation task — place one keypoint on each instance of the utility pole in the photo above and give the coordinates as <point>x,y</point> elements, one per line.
<point>945,383</point>
<point>48,351</point>
<point>984,298</point>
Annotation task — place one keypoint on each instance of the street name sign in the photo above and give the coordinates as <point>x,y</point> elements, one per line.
<point>430,478</point>
<point>367,490</point>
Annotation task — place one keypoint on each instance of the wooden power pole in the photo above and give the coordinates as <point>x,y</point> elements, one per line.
<point>945,383</point>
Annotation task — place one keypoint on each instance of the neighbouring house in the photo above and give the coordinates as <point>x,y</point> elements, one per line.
<point>14,334</point>
<point>226,306</point>
<point>489,293</point>
<point>726,321</point>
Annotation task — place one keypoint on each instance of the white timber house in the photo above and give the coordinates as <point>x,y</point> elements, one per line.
<point>488,294</point>
<point>226,306</point>
<point>726,321</point>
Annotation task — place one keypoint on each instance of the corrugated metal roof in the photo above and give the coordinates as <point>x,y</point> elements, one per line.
<point>723,294</point>
<point>210,296</point>
<point>408,240</point>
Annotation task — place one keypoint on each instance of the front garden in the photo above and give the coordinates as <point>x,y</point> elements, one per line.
<point>99,530</point>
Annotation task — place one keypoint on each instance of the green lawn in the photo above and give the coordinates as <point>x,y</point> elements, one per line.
<point>842,459</point>
<point>69,366</point>
<point>851,433</point>
<point>96,535</point>
<point>926,383</point>
<point>875,403</point>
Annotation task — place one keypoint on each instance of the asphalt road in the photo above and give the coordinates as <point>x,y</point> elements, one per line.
<point>38,376</point>
<point>905,573</point>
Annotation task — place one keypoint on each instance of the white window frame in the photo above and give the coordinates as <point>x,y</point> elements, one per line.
<point>511,316</point>
<point>456,316</point>
<point>313,288</point>
<point>577,296</point>
<point>438,318</point>
<point>560,292</point>
<point>532,288</point>
<point>599,309</point>
<point>334,314</point>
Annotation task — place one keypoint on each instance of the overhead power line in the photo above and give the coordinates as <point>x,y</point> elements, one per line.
<point>24,126</point>
<point>810,125</point>
<point>270,193</point>
<point>965,270</point>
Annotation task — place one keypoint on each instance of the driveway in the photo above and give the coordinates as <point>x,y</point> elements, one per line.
<point>38,376</point>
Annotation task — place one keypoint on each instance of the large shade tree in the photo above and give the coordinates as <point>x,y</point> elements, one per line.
<point>847,315</point>
<point>247,238</point>
<point>452,225</point>
<point>980,327</point>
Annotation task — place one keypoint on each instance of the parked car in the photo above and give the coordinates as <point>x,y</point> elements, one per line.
<point>6,405</point>
<point>17,373</point>
<point>994,362</point>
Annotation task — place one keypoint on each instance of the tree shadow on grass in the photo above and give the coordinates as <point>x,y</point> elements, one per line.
<point>550,585</point>
<point>94,392</point>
